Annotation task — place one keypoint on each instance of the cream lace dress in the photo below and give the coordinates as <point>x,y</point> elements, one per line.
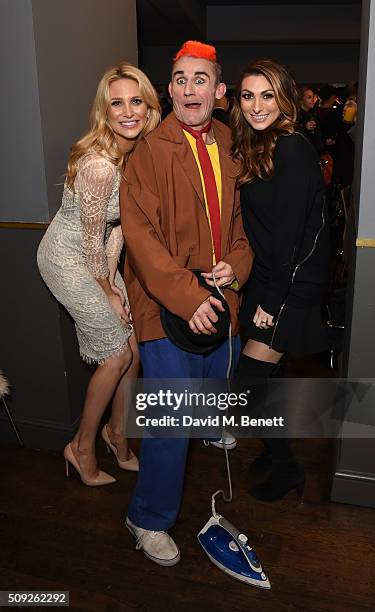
<point>82,243</point>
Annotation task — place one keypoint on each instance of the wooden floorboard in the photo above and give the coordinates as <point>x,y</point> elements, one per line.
<point>55,533</point>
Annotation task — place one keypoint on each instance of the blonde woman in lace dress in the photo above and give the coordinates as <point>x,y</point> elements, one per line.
<point>78,258</point>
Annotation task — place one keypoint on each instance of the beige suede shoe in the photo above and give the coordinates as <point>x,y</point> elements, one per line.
<point>156,545</point>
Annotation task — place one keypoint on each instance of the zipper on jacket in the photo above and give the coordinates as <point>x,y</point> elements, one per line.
<point>297,267</point>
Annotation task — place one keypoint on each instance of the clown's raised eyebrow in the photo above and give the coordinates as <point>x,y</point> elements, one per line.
<point>198,72</point>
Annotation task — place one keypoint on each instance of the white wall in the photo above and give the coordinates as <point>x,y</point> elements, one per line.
<point>365,144</point>
<point>76,41</point>
<point>56,52</point>
<point>23,193</point>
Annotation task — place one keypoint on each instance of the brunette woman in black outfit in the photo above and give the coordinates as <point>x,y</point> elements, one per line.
<point>283,209</point>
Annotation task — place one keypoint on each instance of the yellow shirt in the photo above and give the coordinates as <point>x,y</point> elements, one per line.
<point>213,152</point>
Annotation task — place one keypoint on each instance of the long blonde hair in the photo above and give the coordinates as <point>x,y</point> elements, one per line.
<point>100,137</point>
<point>254,149</point>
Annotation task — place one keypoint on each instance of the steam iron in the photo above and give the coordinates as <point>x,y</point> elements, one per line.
<point>224,545</point>
<point>229,550</point>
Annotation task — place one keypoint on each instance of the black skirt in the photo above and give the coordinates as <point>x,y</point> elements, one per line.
<point>299,329</point>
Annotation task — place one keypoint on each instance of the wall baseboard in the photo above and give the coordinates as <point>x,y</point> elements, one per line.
<point>47,436</point>
<point>23,225</point>
<point>357,489</point>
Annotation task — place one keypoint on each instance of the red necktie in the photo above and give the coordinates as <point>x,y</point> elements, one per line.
<point>210,186</point>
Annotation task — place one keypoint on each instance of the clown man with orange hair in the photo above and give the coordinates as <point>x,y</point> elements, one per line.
<point>180,212</point>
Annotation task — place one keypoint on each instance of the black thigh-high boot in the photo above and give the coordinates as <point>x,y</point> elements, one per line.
<point>253,374</point>
<point>278,457</point>
<point>286,473</point>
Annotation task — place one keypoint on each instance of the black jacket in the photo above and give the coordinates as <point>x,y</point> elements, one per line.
<point>285,222</point>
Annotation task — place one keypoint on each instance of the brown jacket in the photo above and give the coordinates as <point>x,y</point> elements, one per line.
<point>167,232</point>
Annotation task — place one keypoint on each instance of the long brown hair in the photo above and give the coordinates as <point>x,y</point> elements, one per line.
<point>254,148</point>
<point>100,137</point>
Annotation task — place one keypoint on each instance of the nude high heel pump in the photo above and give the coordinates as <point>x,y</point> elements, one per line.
<point>132,464</point>
<point>102,478</point>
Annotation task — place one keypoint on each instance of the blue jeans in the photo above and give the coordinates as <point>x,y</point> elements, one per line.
<point>157,497</point>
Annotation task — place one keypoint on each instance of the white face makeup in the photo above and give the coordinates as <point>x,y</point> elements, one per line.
<point>193,90</point>
<point>127,111</point>
<point>258,102</point>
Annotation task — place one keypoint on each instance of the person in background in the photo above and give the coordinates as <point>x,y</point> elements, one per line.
<point>179,201</point>
<point>349,113</point>
<point>78,257</point>
<point>308,119</point>
<point>284,215</point>
<point>222,109</point>
<point>344,150</point>
<point>165,101</point>
<point>328,116</point>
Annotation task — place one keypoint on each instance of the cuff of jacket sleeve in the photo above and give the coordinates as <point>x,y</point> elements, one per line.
<point>271,303</point>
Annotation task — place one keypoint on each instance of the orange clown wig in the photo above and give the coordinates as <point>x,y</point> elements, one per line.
<point>194,48</point>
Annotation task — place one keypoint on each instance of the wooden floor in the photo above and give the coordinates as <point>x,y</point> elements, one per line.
<point>55,533</point>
